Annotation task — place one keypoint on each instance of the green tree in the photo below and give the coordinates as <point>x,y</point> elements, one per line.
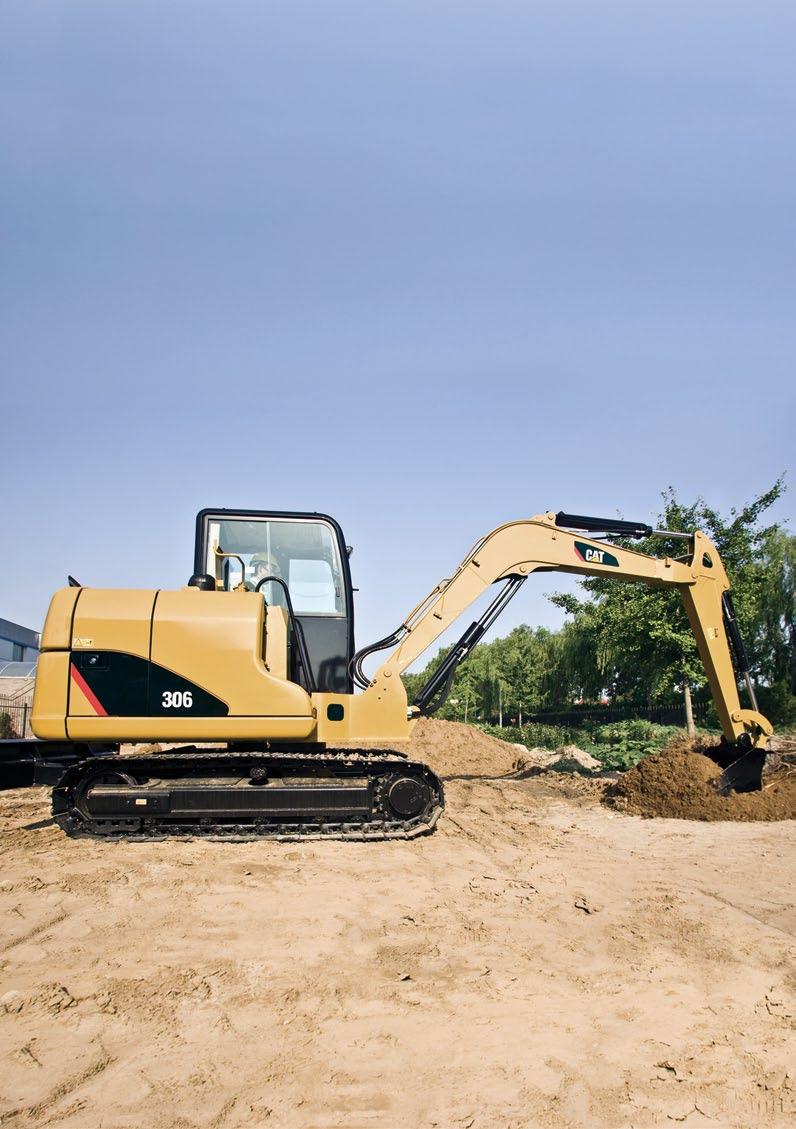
<point>772,629</point>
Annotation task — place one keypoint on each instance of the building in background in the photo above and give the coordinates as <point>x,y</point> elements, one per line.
<point>17,644</point>
<point>19,650</point>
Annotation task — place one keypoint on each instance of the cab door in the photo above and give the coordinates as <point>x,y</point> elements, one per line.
<point>298,559</point>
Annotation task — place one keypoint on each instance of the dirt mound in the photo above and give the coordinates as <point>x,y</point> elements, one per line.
<point>573,759</point>
<point>533,762</point>
<point>454,749</point>
<point>569,758</point>
<point>679,783</point>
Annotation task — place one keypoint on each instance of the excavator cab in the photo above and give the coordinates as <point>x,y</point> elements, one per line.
<point>298,561</point>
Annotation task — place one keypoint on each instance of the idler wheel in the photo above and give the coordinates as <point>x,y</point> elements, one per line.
<point>106,776</point>
<point>407,797</point>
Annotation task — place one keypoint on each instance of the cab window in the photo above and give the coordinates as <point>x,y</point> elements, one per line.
<point>303,554</point>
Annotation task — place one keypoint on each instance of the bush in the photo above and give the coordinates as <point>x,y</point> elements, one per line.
<point>630,742</point>
<point>533,736</point>
<point>7,730</point>
<point>634,731</point>
<point>623,744</point>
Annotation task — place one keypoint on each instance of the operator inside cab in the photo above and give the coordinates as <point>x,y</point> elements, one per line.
<point>264,567</point>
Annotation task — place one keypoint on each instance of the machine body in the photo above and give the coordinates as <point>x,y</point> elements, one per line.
<point>257,653</point>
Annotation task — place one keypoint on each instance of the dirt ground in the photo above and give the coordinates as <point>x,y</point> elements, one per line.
<point>540,960</point>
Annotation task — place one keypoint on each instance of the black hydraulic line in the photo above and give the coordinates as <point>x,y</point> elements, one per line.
<point>604,525</point>
<point>736,643</point>
<point>298,630</point>
<point>738,648</point>
<point>355,666</point>
<point>442,695</point>
<point>435,692</point>
<point>733,633</point>
<point>304,656</point>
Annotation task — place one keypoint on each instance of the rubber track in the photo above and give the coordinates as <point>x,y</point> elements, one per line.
<point>369,762</point>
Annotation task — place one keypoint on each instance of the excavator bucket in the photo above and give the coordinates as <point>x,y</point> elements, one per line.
<point>744,774</point>
<point>742,769</point>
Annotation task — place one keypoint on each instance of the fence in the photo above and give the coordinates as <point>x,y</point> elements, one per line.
<point>605,715</point>
<point>18,723</point>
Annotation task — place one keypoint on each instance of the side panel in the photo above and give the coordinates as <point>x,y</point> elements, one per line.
<point>102,681</point>
<point>215,639</point>
<point>57,631</point>
<point>276,641</point>
<point>148,665</point>
<point>373,717</point>
<point>191,729</point>
<point>115,620</point>
<point>48,717</point>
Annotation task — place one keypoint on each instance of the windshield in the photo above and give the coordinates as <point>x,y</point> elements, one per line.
<point>301,553</point>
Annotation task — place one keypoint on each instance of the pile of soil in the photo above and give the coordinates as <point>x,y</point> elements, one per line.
<point>454,749</point>
<point>680,783</point>
<point>569,759</point>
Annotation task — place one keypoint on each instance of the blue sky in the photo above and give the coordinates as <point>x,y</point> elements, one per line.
<point>426,267</point>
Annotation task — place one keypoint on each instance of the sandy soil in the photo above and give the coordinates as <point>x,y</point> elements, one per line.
<point>540,960</point>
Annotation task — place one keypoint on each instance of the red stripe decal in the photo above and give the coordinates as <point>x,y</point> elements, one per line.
<point>93,700</point>
<point>579,554</point>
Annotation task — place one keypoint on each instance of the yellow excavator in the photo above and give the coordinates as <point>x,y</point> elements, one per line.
<point>256,657</point>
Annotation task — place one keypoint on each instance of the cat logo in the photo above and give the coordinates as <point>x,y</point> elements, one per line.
<point>590,555</point>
